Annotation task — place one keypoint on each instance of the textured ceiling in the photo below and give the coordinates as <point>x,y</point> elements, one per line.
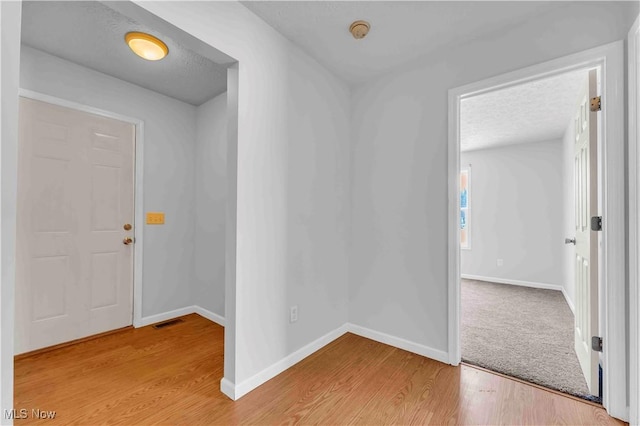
<point>92,34</point>
<point>400,30</point>
<point>533,112</point>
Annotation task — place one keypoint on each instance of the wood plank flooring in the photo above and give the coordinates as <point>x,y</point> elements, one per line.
<point>172,376</point>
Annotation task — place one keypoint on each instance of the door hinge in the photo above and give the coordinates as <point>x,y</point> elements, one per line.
<point>596,104</point>
<point>596,223</point>
<point>596,343</point>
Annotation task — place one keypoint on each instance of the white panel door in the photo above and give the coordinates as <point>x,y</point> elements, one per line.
<point>74,272</point>
<point>586,256</point>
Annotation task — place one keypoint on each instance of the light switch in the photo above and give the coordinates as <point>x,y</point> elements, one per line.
<point>155,218</point>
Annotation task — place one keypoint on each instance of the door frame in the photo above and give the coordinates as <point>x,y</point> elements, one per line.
<point>633,76</point>
<point>138,187</point>
<point>611,257</point>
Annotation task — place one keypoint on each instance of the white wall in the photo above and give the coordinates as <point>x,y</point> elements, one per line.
<point>516,213</point>
<point>398,281</point>
<point>210,205</point>
<point>169,156</point>
<point>292,187</point>
<point>10,20</point>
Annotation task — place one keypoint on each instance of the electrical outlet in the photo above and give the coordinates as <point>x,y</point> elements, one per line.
<point>293,313</point>
<point>500,262</point>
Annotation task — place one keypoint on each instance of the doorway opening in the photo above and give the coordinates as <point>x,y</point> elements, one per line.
<point>517,204</point>
<point>174,235</point>
<point>607,60</point>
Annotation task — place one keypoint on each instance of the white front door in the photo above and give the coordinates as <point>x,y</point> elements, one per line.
<point>74,272</point>
<point>586,256</point>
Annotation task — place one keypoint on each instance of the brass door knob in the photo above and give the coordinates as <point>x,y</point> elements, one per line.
<point>127,241</point>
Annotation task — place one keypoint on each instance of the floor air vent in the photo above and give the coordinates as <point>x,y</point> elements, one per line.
<point>167,323</point>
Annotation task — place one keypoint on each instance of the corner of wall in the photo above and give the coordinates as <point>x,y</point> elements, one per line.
<point>237,391</point>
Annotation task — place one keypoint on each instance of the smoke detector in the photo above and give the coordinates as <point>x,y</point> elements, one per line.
<point>359,29</point>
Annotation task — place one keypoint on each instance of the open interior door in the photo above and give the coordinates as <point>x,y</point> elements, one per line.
<point>586,240</point>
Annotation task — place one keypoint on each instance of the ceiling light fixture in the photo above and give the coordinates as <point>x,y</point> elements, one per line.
<point>146,46</point>
<point>359,29</point>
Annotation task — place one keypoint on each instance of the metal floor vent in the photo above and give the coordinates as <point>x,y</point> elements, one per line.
<point>168,323</point>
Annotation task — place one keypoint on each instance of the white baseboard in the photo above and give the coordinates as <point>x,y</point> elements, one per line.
<point>237,391</point>
<point>211,316</point>
<point>152,319</point>
<point>165,316</point>
<point>513,282</point>
<point>228,388</point>
<point>400,343</point>
<point>569,302</point>
<point>628,416</point>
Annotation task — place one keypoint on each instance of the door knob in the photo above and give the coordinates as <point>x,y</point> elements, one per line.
<point>570,241</point>
<point>127,241</point>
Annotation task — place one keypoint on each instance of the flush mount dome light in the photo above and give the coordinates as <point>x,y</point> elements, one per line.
<point>146,46</point>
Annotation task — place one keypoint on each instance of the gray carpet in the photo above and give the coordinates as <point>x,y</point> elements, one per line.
<point>522,332</point>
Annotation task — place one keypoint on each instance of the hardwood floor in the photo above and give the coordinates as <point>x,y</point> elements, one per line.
<point>172,376</point>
